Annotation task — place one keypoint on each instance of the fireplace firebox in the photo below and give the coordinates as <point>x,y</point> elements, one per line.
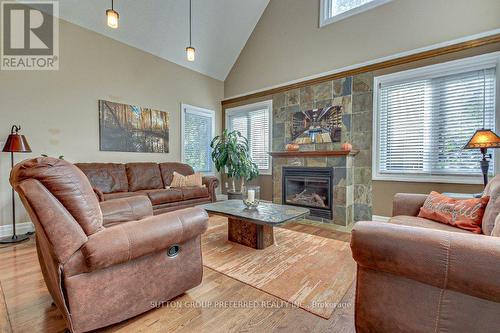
<point>309,187</point>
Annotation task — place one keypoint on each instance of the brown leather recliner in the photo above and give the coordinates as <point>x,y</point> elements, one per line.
<point>102,274</point>
<point>417,275</point>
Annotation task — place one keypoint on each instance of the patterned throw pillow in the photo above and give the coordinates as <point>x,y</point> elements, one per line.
<point>179,180</point>
<point>461,213</point>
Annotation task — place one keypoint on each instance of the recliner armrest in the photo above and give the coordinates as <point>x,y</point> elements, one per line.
<point>211,182</point>
<point>128,241</point>
<point>407,203</point>
<point>125,209</point>
<point>467,263</point>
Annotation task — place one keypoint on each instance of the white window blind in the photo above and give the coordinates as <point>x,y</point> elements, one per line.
<point>197,133</point>
<point>252,121</point>
<point>424,122</point>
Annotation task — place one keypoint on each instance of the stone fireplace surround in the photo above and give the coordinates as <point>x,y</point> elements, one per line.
<point>342,183</point>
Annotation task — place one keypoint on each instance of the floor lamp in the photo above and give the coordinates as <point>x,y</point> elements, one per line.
<point>16,143</point>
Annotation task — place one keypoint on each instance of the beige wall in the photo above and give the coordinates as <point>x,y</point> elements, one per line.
<point>288,45</point>
<point>58,109</point>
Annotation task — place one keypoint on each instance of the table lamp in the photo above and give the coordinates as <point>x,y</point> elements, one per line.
<point>484,139</point>
<point>16,143</point>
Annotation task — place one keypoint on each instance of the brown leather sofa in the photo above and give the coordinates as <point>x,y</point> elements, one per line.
<point>115,180</point>
<point>417,275</point>
<point>102,271</point>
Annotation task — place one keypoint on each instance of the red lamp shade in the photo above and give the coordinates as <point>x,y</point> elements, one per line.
<point>16,143</point>
<point>483,138</point>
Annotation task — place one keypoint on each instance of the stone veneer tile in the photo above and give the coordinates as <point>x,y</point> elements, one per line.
<point>323,103</point>
<point>295,161</point>
<point>362,194</point>
<point>279,100</point>
<point>278,144</point>
<point>278,129</point>
<point>346,121</point>
<point>306,95</point>
<point>361,140</point>
<point>306,106</point>
<point>279,114</point>
<point>336,161</point>
<point>342,87</point>
<point>362,212</point>
<point>362,83</point>
<point>339,176</point>
<point>363,159</point>
<point>324,146</point>
<point>362,122</point>
<point>362,175</point>
<point>307,147</point>
<point>339,215</point>
<point>349,195</point>
<point>339,195</point>
<point>293,97</point>
<point>349,214</point>
<point>322,91</point>
<point>290,110</point>
<point>316,161</point>
<point>362,102</point>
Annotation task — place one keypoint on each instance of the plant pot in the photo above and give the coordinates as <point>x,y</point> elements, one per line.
<point>234,195</point>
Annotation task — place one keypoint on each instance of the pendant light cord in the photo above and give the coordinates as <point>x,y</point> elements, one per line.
<point>112,7</point>
<point>190,23</point>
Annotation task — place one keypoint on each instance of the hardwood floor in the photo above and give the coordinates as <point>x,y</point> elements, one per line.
<point>26,306</point>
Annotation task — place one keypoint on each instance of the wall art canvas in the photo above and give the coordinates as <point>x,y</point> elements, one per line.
<point>130,128</point>
<point>321,125</point>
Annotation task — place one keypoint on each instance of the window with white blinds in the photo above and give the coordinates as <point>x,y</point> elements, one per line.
<point>197,133</point>
<point>253,122</point>
<point>425,117</point>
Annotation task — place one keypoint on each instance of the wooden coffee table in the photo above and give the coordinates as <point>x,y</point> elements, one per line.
<point>254,227</point>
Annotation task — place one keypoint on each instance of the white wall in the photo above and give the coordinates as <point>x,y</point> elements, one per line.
<point>287,43</point>
<point>58,110</point>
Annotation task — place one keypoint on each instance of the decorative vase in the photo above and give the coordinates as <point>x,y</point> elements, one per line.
<point>251,196</point>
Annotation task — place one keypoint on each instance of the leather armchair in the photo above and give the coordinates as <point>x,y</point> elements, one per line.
<point>417,275</point>
<point>104,263</point>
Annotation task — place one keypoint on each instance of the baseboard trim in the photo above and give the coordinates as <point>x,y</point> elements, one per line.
<point>380,218</point>
<point>21,228</point>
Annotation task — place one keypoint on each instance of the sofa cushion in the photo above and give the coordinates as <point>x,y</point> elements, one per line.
<point>194,192</point>
<point>163,196</point>
<point>413,221</point>
<point>106,177</point>
<point>167,171</point>
<point>496,230</point>
<point>493,209</point>
<point>143,176</point>
<point>119,195</point>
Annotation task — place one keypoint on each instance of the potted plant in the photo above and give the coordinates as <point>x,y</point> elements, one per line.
<point>230,151</point>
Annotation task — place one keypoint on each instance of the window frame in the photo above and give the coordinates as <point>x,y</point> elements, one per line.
<point>244,109</point>
<point>447,68</point>
<point>325,9</point>
<point>203,112</point>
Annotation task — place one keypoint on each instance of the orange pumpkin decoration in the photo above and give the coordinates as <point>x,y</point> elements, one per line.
<point>292,147</point>
<point>346,146</point>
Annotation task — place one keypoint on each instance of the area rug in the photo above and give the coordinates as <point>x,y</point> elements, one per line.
<point>308,271</point>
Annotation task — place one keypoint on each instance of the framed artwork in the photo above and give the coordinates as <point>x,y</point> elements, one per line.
<point>317,125</point>
<point>130,128</point>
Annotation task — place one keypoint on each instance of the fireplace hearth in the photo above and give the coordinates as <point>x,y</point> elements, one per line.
<point>309,187</point>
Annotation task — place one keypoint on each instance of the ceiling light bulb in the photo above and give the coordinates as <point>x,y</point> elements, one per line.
<point>113,17</point>
<point>190,53</point>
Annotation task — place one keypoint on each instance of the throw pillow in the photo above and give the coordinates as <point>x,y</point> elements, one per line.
<point>179,180</point>
<point>461,213</point>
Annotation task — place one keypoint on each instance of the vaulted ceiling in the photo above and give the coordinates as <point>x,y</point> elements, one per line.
<point>161,27</point>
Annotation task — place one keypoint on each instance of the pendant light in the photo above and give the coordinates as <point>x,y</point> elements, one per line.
<point>190,50</point>
<point>112,16</point>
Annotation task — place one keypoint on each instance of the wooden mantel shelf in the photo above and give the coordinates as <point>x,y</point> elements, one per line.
<point>314,153</point>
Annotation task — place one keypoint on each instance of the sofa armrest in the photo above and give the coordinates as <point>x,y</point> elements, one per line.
<point>407,204</point>
<point>211,182</point>
<point>98,194</point>
<point>127,241</point>
<point>125,209</point>
<point>467,263</point>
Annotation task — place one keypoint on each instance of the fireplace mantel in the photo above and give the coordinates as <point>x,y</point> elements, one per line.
<point>314,153</point>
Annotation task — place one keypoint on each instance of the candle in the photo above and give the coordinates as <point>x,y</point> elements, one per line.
<point>251,195</point>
